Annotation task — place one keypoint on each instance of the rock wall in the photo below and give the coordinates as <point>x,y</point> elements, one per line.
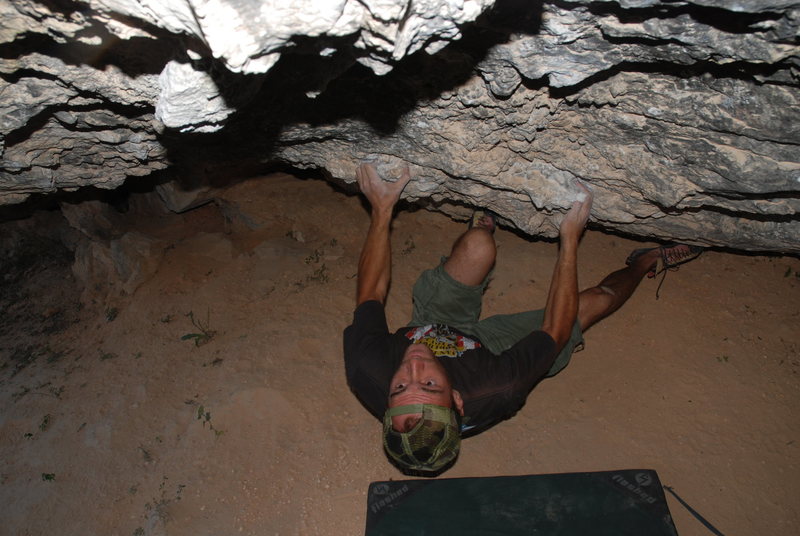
<point>683,117</point>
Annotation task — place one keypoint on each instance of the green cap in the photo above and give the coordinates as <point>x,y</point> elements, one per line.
<point>429,446</point>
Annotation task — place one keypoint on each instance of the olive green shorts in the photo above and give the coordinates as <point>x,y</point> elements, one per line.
<point>440,299</point>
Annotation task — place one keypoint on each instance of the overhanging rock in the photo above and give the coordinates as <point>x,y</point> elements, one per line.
<point>683,117</point>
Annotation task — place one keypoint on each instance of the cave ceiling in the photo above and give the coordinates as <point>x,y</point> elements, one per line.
<point>682,116</point>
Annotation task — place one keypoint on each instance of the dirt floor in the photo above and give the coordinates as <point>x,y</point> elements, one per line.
<point>212,399</point>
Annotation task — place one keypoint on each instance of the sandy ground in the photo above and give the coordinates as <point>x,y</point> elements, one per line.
<point>212,400</point>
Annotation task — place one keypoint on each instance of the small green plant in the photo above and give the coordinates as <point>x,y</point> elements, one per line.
<point>314,257</point>
<point>166,319</point>
<point>722,358</point>
<point>48,477</point>
<point>146,456</point>
<point>45,423</point>
<point>158,506</point>
<point>107,355</point>
<point>204,333</point>
<point>205,417</point>
<point>320,275</point>
<point>111,314</point>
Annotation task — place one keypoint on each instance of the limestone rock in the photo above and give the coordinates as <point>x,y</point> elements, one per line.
<point>95,220</point>
<point>682,116</point>
<point>116,267</point>
<point>179,197</point>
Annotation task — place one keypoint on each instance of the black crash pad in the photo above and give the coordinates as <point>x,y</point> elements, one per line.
<point>613,503</point>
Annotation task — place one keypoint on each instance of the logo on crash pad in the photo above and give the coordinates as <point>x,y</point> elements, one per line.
<point>642,480</point>
<point>387,496</point>
<point>380,489</point>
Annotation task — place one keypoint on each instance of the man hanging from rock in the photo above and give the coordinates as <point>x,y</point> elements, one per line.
<point>448,373</point>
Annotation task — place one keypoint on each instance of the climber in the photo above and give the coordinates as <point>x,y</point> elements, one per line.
<point>448,374</point>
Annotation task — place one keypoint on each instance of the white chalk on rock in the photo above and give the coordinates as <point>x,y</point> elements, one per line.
<point>387,170</point>
<point>577,193</point>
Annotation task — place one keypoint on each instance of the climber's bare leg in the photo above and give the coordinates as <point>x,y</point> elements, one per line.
<point>596,303</point>
<point>473,255</point>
